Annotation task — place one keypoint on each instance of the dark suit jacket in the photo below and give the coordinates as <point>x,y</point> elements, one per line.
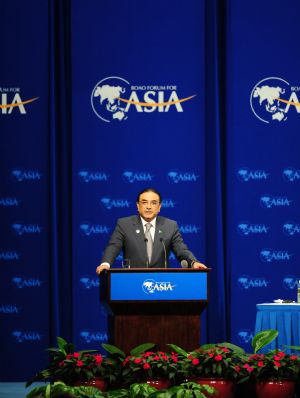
<point>129,237</point>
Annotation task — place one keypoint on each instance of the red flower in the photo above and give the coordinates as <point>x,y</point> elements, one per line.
<point>277,357</point>
<point>248,368</point>
<point>156,358</point>
<point>281,354</point>
<point>76,354</point>
<point>237,369</point>
<point>98,359</point>
<point>260,364</point>
<point>293,357</point>
<point>147,354</point>
<point>225,349</point>
<point>137,360</point>
<point>79,363</point>
<point>146,366</point>
<point>218,358</point>
<point>278,364</point>
<point>195,361</point>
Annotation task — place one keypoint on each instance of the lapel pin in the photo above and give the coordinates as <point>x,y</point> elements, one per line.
<point>137,231</point>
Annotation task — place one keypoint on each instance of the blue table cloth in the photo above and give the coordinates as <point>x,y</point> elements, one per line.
<point>283,317</point>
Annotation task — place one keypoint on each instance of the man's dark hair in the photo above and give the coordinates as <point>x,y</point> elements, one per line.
<point>148,190</point>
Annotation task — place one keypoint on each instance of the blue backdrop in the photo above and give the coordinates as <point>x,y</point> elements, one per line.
<point>101,99</point>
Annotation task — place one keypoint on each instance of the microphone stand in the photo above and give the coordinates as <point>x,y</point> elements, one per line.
<point>165,252</point>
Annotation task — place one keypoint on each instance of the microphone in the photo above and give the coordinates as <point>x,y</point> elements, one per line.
<point>165,252</point>
<point>184,264</point>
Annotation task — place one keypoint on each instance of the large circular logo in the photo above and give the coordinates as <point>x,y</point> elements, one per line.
<point>266,99</point>
<point>105,99</point>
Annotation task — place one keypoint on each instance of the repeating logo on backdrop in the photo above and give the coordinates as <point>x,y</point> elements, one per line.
<point>22,336</point>
<point>23,283</point>
<point>168,203</point>
<point>89,283</point>
<point>9,255</point>
<point>290,282</point>
<point>269,201</point>
<point>246,282</point>
<point>245,228</point>
<point>291,228</point>
<point>9,309</point>
<point>290,174</point>
<point>245,335</point>
<point>9,202</point>
<point>272,98</point>
<point>26,175</point>
<point>245,174</point>
<point>137,176</point>
<point>92,176</point>
<point>114,203</point>
<point>176,177</point>
<point>90,336</point>
<point>270,255</point>
<point>189,229</point>
<point>26,229</point>
<point>113,98</point>
<point>93,229</point>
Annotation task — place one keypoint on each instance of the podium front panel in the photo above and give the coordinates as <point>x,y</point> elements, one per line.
<point>152,286</point>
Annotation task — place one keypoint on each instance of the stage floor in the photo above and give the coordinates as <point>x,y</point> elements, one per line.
<point>16,390</point>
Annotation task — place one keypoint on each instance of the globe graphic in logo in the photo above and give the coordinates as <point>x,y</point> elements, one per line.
<point>105,99</point>
<point>266,99</point>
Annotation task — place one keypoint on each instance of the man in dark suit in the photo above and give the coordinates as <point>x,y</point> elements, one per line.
<point>147,239</point>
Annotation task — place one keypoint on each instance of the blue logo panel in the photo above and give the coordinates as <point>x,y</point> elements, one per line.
<point>158,286</point>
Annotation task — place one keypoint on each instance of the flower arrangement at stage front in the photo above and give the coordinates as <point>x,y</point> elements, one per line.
<point>81,366</point>
<point>149,366</point>
<point>274,365</point>
<point>215,362</point>
<point>212,361</point>
<point>71,366</point>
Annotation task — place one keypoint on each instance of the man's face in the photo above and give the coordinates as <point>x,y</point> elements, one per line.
<point>148,205</point>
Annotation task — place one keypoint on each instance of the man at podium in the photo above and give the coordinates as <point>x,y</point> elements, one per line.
<point>146,239</point>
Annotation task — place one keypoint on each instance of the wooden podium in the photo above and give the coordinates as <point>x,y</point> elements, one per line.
<point>154,305</point>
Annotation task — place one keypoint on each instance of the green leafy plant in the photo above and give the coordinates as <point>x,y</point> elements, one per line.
<point>222,360</point>
<point>58,388</point>
<point>274,365</point>
<point>71,366</point>
<point>186,390</point>
<point>263,338</point>
<point>118,356</point>
<point>136,390</point>
<point>150,365</point>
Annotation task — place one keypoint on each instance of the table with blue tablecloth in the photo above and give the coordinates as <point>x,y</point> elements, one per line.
<point>284,317</point>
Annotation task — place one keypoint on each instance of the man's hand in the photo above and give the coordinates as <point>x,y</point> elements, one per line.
<point>101,267</point>
<point>198,265</point>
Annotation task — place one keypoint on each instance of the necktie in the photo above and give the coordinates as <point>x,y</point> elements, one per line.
<point>149,241</point>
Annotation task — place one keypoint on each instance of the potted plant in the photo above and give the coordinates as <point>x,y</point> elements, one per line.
<point>157,368</point>
<point>119,356</point>
<point>275,373</point>
<point>72,367</point>
<point>217,365</point>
